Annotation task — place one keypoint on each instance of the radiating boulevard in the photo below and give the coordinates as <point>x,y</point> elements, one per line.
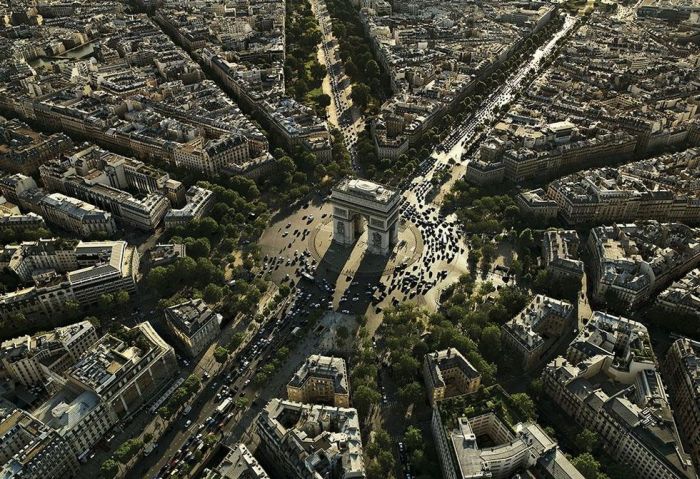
<point>342,114</point>
<point>440,256</point>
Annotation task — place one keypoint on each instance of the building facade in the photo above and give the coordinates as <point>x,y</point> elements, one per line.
<point>193,324</point>
<point>448,374</point>
<point>355,199</point>
<point>681,369</point>
<point>311,441</point>
<point>320,380</point>
<point>532,332</point>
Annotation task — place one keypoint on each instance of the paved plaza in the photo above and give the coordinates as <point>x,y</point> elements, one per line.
<point>426,258</point>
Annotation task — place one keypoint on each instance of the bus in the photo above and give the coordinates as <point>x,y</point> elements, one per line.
<point>223,407</point>
<point>307,276</point>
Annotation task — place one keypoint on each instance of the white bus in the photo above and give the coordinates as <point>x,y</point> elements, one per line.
<point>223,407</point>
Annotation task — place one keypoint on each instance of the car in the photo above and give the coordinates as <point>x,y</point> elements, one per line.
<point>188,423</point>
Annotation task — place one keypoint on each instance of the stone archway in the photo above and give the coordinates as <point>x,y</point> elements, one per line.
<point>355,201</point>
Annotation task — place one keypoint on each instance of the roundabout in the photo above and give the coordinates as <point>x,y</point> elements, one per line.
<point>356,259</point>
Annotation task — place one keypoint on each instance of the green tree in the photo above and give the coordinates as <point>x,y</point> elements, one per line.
<point>260,378</point>
<point>158,278</point>
<point>94,321</point>
<point>71,308</point>
<point>198,248</point>
<point>220,354</point>
<point>386,460</point>
<point>411,393</point>
<point>109,468</point>
<point>105,301</point>
<point>405,368</point>
<point>207,226</point>
<point>318,71</point>
<point>490,343</point>
<point>374,470</point>
<point>236,340</point>
<point>342,332</point>
<point>164,412</point>
<point>364,397</point>
<point>526,240</point>
<point>210,440</point>
<point>282,353</point>
<point>323,100</point>
<point>300,88</point>
<point>525,403</point>
<point>413,438</point>
<point>586,440</point>
<point>128,450</point>
<point>350,69</point>
<point>372,69</point>
<point>588,466</point>
<point>121,298</point>
<point>213,293</point>
<point>360,95</point>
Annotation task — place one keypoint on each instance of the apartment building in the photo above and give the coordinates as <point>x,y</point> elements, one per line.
<point>79,272</point>
<point>125,374</point>
<point>608,382</point>
<point>632,261</point>
<point>31,450</point>
<point>682,296</point>
<point>107,383</point>
<point>19,222</point>
<point>560,254</point>
<point>32,360</point>
<point>535,203</point>
<point>193,324</point>
<point>212,156</point>
<point>681,372</point>
<point>532,332</point>
<point>522,448</point>
<point>661,188</point>
<point>79,176</point>
<point>560,154</point>
<point>320,380</point>
<point>447,374</point>
<point>311,441</point>
<point>23,150</point>
<point>238,463</point>
<point>199,202</point>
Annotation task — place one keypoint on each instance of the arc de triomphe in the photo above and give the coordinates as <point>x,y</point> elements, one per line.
<point>354,199</point>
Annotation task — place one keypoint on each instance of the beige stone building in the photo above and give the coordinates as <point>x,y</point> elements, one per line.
<point>193,324</point>
<point>31,450</point>
<point>320,380</point>
<point>310,441</point>
<point>448,374</point>
<point>681,370</point>
<point>531,333</point>
<point>32,359</point>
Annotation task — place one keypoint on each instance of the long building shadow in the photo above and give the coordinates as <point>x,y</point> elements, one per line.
<point>368,275</point>
<point>333,264</point>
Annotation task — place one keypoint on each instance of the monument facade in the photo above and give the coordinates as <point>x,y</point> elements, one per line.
<point>354,201</point>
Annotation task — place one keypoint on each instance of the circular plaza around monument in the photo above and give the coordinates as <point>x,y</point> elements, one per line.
<point>356,259</point>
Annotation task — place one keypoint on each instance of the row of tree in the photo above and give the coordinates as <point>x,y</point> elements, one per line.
<point>370,81</point>
<point>303,73</point>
